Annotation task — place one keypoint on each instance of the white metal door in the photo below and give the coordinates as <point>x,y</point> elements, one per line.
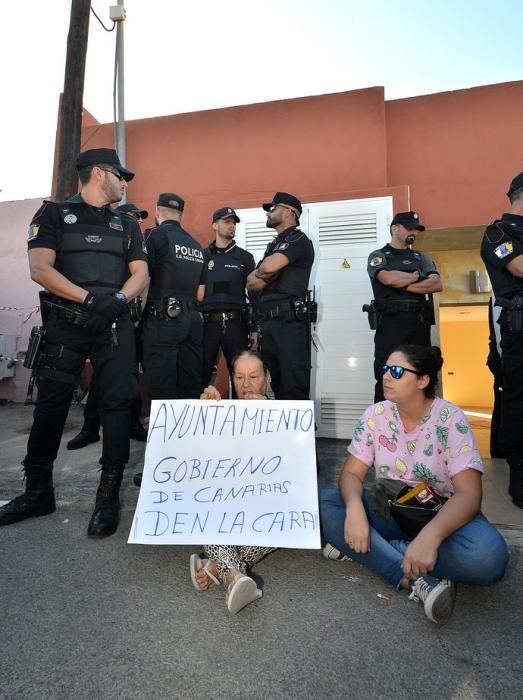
<point>343,233</point>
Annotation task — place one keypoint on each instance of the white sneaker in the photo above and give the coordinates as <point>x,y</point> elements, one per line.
<point>437,596</point>
<point>330,552</point>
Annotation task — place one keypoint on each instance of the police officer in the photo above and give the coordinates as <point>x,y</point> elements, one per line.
<point>173,325</point>
<point>225,271</point>
<point>403,281</point>
<point>92,261</point>
<point>282,277</point>
<point>502,253</point>
<point>90,430</point>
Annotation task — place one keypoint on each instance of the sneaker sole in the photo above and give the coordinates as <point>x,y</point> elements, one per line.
<point>439,604</point>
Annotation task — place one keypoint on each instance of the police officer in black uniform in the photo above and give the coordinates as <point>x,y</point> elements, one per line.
<point>225,271</point>
<point>90,430</point>
<point>502,253</point>
<point>92,261</point>
<point>173,324</point>
<point>403,281</point>
<point>282,277</point>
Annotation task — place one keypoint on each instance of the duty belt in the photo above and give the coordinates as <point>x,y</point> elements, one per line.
<point>221,316</point>
<point>395,307</point>
<point>277,312</point>
<point>154,309</point>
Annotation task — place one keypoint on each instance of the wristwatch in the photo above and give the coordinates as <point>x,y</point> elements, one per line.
<point>120,296</point>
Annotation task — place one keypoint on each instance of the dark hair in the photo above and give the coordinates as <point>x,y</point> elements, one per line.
<point>426,361</point>
<point>514,196</point>
<point>250,353</point>
<point>84,175</point>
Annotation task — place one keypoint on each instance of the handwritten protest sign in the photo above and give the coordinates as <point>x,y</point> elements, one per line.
<point>229,472</point>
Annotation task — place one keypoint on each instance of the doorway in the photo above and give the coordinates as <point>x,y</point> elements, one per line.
<point>466,379</point>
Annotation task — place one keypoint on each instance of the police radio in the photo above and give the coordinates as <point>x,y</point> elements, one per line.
<point>34,347</point>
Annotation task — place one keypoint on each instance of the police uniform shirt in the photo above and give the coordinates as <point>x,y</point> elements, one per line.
<point>185,262</point>
<point>298,249</point>
<point>402,260</point>
<point>225,273</point>
<point>53,218</point>
<point>502,242</point>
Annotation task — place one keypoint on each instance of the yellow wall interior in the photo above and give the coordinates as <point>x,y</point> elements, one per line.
<point>466,379</point>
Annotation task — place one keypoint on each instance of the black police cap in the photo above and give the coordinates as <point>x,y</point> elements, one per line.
<point>288,200</point>
<point>225,213</point>
<point>408,219</point>
<point>170,200</point>
<point>516,184</point>
<point>103,156</point>
<point>133,209</point>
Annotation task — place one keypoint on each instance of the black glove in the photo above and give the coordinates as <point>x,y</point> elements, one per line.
<point>105,305</point>
<point>102,310</point>
<point>95,323</point>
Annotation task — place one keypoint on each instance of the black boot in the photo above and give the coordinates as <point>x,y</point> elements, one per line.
<point>37,500</point>
<point>515,485</point>
<point>139,433</point>
<point>84,437</point>
<point>104,520</point>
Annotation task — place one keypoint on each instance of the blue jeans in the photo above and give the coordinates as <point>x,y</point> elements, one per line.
<point>475,554</point>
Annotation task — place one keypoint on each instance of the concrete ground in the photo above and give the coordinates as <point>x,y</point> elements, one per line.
<point>103,619</point>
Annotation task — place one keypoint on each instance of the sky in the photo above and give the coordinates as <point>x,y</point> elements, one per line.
<point>182,57</point>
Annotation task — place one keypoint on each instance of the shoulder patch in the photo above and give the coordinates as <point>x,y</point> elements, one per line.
<point>33,232</point>
<point>503,250</point>
<point>375,261</point>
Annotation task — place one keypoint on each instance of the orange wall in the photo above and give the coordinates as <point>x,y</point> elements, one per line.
<point>455,152</point>
<point>320,148</point>
<point>458,151</point>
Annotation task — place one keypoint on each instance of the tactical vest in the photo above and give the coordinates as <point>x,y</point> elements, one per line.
<point>290,280</point>
<point>178,273</point>
<point>224,286</point>
<point>405,260</point>
<point>93,249</point>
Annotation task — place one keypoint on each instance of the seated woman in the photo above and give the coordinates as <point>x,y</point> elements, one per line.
<point>415,437</point>
<point>226,563</point>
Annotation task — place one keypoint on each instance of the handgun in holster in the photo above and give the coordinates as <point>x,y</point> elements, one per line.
<point>372,314</point>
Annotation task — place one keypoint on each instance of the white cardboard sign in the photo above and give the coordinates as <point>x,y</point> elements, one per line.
<point>229,472</point>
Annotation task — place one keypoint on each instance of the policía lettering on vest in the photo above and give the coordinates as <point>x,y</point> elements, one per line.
<point>184,250</point>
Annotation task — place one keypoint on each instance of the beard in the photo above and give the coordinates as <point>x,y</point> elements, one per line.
<point>410,240</point>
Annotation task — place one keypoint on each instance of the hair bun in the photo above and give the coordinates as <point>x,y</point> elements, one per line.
<point>438,359</point>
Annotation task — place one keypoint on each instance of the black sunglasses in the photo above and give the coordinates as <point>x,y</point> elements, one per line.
<point>113,172</point>
<point>396,372</point>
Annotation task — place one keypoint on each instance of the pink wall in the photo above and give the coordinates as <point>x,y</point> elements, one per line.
<point>17,288</point>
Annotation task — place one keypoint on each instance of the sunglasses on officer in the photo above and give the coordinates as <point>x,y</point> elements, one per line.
<point>397,372</point>
<point>113,172</point>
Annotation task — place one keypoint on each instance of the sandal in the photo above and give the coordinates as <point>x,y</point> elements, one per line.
<point>240,593</point>
<point>195,558</point>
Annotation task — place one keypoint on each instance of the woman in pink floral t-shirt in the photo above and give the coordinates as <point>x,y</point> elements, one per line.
<point>415,437</point>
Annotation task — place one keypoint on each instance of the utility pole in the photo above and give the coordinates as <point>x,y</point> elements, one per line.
<point>72,100</point>
<point>117,14</point>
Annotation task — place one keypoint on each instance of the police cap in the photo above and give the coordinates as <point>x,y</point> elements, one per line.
<point>133,209</point>
<point>171,200</point>
<point>103,156</point>
<point>516,184</point>
<point>408,219</point>
<point>225,213</point>
<point>287,200</point>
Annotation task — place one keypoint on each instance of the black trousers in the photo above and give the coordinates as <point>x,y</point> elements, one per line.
<point>173,356</point>
<point>231,336</point>
<point>91,415</point>
<point>394,330</point>
<point>511,430</point>
<point>92,420</point>
<point>115,374</point>
<point>286,350</point>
